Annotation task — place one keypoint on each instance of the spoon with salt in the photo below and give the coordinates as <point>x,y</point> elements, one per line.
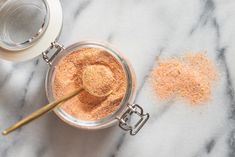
<point>96,79</point>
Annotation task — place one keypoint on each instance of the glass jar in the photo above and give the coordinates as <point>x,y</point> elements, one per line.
<point>126,107</point>
<point>40,37</point>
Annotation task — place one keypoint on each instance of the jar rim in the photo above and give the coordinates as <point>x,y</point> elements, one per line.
<point>127,99</point>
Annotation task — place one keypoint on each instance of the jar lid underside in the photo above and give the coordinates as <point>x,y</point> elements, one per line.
<point>28,27</point>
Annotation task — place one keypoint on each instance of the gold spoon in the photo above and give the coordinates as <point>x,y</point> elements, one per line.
<point>91,75</point>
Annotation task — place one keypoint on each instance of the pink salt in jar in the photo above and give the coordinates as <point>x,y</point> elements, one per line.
<point>126,108</point>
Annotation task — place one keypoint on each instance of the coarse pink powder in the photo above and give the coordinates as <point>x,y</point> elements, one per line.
<point>69,76</point>
<point>189,76</point>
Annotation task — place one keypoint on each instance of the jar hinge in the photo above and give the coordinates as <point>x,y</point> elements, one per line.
<point>124,120</point>
<point>54,46</point>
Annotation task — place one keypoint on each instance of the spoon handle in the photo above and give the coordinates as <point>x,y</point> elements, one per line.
<point>41,111</point>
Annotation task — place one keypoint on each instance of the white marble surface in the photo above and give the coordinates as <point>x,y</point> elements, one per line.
<point>143,30</point>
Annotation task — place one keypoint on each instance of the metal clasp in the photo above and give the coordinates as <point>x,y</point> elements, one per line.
<point>125,122</point>
<point>54,46</point>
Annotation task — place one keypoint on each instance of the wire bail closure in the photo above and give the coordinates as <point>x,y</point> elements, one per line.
<point>54,46</point>
<point>124,120</point>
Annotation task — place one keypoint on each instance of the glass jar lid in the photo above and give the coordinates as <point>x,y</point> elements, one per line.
<point>28,27</point>
<point>22,23</point>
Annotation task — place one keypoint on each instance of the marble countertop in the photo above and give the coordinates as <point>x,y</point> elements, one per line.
<point>143,30</point>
